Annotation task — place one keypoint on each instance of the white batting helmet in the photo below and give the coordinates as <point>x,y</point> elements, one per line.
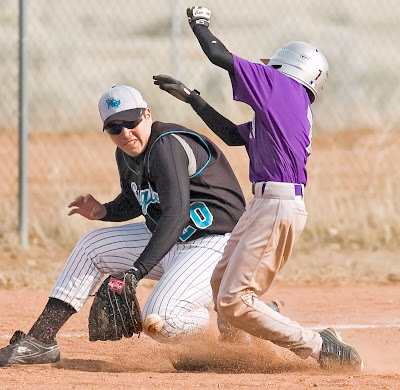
<point>303,63</point>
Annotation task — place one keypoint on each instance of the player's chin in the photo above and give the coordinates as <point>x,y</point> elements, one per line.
<point>133,150</point>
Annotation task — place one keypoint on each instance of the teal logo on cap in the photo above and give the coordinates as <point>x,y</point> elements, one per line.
<point>113,103</point>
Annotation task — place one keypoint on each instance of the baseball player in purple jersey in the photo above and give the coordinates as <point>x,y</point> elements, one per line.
<point>278,142</point>
<point>191,200</point>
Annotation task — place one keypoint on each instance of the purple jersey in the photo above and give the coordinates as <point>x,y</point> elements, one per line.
<point>278,139</point>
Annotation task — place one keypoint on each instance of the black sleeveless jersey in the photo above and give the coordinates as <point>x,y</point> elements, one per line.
<point>184,187</point>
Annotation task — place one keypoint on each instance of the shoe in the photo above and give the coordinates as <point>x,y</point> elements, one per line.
<point>25,349</point>
<point>276,305</point>
<point>337,354</point>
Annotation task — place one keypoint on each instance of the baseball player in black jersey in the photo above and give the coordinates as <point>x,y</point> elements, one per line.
<point>191,200</point>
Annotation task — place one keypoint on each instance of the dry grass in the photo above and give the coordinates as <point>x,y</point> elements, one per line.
<point>352,199</point>
<point>353,192</point>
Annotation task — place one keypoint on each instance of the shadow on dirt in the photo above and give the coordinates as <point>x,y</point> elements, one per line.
<point>232,366</point>
<point>259,356</point>
<point>89,365</point>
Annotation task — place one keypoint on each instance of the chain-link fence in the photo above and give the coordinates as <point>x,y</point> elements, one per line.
<point>77,50</point>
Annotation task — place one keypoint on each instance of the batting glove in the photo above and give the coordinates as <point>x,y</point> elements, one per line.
<point>198,15</point>
<point>175,87</point>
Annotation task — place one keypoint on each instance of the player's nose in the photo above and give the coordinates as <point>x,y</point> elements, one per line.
<point>125,132</point>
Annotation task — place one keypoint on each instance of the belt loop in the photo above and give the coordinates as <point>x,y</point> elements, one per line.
<point>263,188</point>
<point>299,190</point>
<point>253,188</point>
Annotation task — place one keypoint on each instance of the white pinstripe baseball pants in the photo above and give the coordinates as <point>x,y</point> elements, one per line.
<point>182,293</point>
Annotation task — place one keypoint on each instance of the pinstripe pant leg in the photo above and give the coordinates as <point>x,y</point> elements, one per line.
<point>183,292</point>
<point>99,252</point>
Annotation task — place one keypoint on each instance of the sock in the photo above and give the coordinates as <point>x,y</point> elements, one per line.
<point>55,314</point>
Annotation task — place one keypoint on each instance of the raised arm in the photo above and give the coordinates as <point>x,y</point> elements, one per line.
<point>220,125</point>
<point>217,53</point>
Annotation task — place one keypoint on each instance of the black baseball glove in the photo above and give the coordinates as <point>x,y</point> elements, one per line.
<point>115,311</point>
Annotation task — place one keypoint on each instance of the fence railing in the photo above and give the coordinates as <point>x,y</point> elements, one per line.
<point>77,50</point>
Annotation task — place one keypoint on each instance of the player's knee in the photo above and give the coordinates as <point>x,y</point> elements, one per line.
<point>87,246</point>
<point>84,243</point>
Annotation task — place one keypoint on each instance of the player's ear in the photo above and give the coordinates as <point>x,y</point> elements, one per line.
<point>147,113</point>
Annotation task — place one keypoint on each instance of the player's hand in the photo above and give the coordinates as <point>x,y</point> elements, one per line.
<point>174,87</point>
<point>88,207</point>
<point>132,276</point>
<point>198,15</point>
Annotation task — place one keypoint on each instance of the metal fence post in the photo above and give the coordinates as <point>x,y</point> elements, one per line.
<point>176,37</point>
<point>23,130</point>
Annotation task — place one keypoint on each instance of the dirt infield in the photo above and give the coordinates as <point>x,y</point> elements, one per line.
<point>368,316</point>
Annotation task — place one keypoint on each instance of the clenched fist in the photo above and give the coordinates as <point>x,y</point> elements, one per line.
<point>198,15</point>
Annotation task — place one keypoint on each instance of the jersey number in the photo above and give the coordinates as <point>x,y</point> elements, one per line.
<point>202,218</point>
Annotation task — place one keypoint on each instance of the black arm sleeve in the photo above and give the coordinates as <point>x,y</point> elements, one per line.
<point>221,126</point>
<point>218,54</point>
<point>121,209</point>
<point>169,170</point>
<point>213,48</point>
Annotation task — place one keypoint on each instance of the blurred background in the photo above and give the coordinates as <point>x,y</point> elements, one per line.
<point>77,50</point>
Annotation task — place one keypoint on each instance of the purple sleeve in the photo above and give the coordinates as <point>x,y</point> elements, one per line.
<point>251,83</point>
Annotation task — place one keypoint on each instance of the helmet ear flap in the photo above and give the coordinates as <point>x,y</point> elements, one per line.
<point>310,94</point>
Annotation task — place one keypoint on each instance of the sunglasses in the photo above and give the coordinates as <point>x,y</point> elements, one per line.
<point>116,128</point>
